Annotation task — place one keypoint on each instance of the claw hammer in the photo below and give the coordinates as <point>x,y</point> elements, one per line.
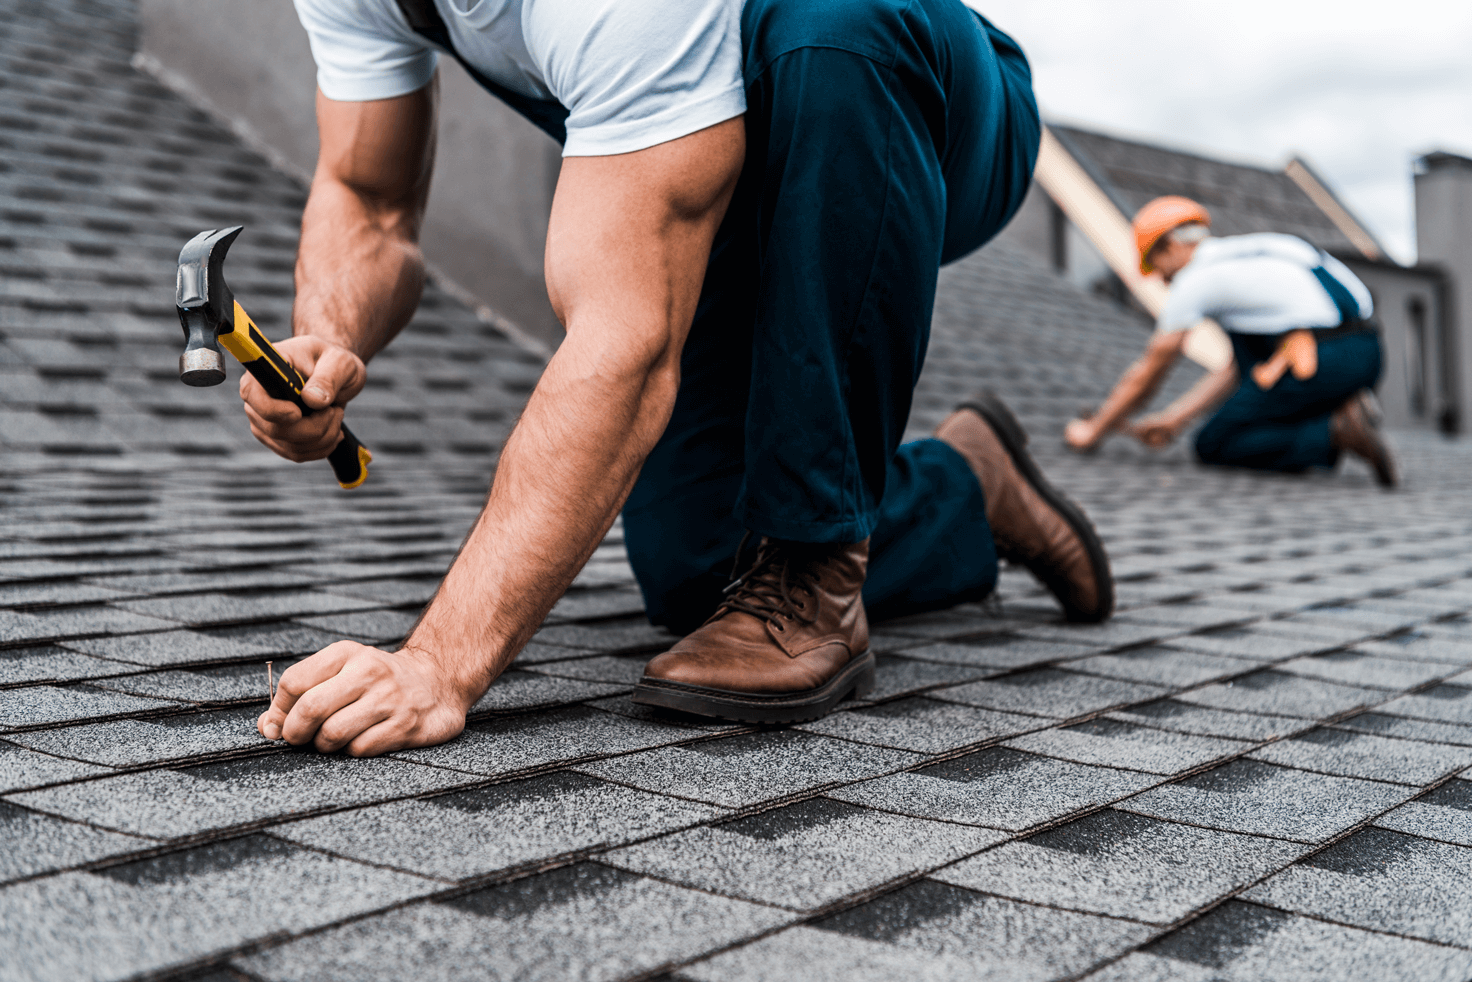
<point>211,317</point>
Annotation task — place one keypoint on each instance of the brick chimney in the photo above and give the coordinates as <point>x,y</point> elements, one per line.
<point>1444,240</point>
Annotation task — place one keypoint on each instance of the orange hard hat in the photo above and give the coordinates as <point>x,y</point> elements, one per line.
<point>1161,216</point>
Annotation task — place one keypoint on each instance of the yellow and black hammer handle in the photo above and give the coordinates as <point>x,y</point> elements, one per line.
<point>211,318</point>
<point>281,380</point>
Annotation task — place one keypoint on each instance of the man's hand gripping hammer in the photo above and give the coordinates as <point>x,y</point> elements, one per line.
<point>211,317</point>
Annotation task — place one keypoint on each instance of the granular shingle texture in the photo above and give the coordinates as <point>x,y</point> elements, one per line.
<point>1259,769</point>
<point>570,923</point>
<point>1124,865</point>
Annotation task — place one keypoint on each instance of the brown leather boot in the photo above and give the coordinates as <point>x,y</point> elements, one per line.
<point>1353,427</point>
<point>788,643</point>
<point>1032,522</point>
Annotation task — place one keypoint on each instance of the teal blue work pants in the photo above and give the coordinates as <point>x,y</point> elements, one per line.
<point>1286,428</point>
<point>884,138</point>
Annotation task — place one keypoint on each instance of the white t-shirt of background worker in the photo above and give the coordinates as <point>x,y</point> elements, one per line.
<point>1258,284</point>
<point>631,73</point>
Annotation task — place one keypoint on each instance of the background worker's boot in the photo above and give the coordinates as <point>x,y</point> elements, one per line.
<point>788,643</point>
<point>1032,522</point>
<point>1354,427</point>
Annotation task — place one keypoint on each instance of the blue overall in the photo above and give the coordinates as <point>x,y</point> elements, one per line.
<point>1286,428</point>
<point>884,138</point>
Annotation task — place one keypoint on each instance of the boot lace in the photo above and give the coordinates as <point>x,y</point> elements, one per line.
<point>767,589</point>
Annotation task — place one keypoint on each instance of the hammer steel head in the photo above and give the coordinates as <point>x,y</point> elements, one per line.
<point>206,305</point>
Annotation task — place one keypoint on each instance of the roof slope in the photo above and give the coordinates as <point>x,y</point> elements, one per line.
<point>1281,705</point>
<point>1242,198</point>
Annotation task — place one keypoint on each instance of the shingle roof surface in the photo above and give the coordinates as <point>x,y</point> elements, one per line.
<point>1242,198</point>
<point>1251,772</point>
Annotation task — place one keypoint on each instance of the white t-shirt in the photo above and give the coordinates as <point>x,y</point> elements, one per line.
<point>1258,284</point>
<point>632,73</point>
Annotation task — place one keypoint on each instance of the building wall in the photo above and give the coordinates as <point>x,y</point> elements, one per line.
<point>1444,241</point>
<point>1414,386</point>
<point>494,173</point>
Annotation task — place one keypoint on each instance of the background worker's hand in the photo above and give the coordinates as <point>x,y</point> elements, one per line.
<point>334,376</point>
<point>369,701</point>
<point>1154,431</point>
<point>1081,435</point>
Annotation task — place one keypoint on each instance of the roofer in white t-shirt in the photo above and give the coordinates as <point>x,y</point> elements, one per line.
<point>743,247</point>
<point>1306,352</point>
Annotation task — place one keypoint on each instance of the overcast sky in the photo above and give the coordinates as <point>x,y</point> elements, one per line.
<point>1359,89</point>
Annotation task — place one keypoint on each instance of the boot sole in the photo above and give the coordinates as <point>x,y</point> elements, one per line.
<point>1014,438</point>
<point>856,679</point>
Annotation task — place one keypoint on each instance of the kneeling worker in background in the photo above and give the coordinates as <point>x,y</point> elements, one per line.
<point>1305,350</point>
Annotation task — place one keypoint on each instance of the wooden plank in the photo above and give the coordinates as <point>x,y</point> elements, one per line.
<point>1091,211</point>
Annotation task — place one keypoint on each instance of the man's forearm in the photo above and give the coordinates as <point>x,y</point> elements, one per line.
<point>1135,388</point>
<point>561,480</point>
<point>1204,396</point>
<point>627,246</point>
<point>358,278</point>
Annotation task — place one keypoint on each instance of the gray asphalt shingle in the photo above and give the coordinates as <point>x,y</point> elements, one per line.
<point>931,931</point>
<point>1280,694</point>
<point>234,793</point>
<point>998,788</point>
<point>1001,651</point>
<point>1182,717</point>
<point>173,648</point>
<point>519,690</point>
<point>1356,667</point>
<point>804,856</point>
<point>61,623</point>
<point>1444,813</point>
<point>569,923</point>
<point>127,919</point>
<point>49,663</point>
<point>896,675</point>
<point>1443,703</point>
<point>1049,692</point>
<point>127,742</point>
<point>1352,754</point>
<point>922,725</point>
<point>1410,729</point>
<point>1256,642</point>
<point>571,733</point>
<point>226,683</point>
<point>1384,881</point>
<point>1110,743</point>
<point>744,770</point>
<point>1240,942</point>
<point>36,843</point>
<point>1162,665</point>
<point>46,704</point>
<point>1123,865</point>
<point>22,768</point>
<point>474,833</point>
<point>1262,799</point>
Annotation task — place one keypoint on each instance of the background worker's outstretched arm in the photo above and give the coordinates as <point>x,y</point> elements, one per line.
<point>1134,388</point>
<point>627,248</point>
<point>1159,429</point>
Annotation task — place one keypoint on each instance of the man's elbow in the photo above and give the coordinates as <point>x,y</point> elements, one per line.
<point>1163,350</point>
<point>646,360</point>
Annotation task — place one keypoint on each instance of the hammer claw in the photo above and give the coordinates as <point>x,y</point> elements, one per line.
<point>211,318</point>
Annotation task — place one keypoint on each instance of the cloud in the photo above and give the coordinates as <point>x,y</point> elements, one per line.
<point>1359,89</point>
